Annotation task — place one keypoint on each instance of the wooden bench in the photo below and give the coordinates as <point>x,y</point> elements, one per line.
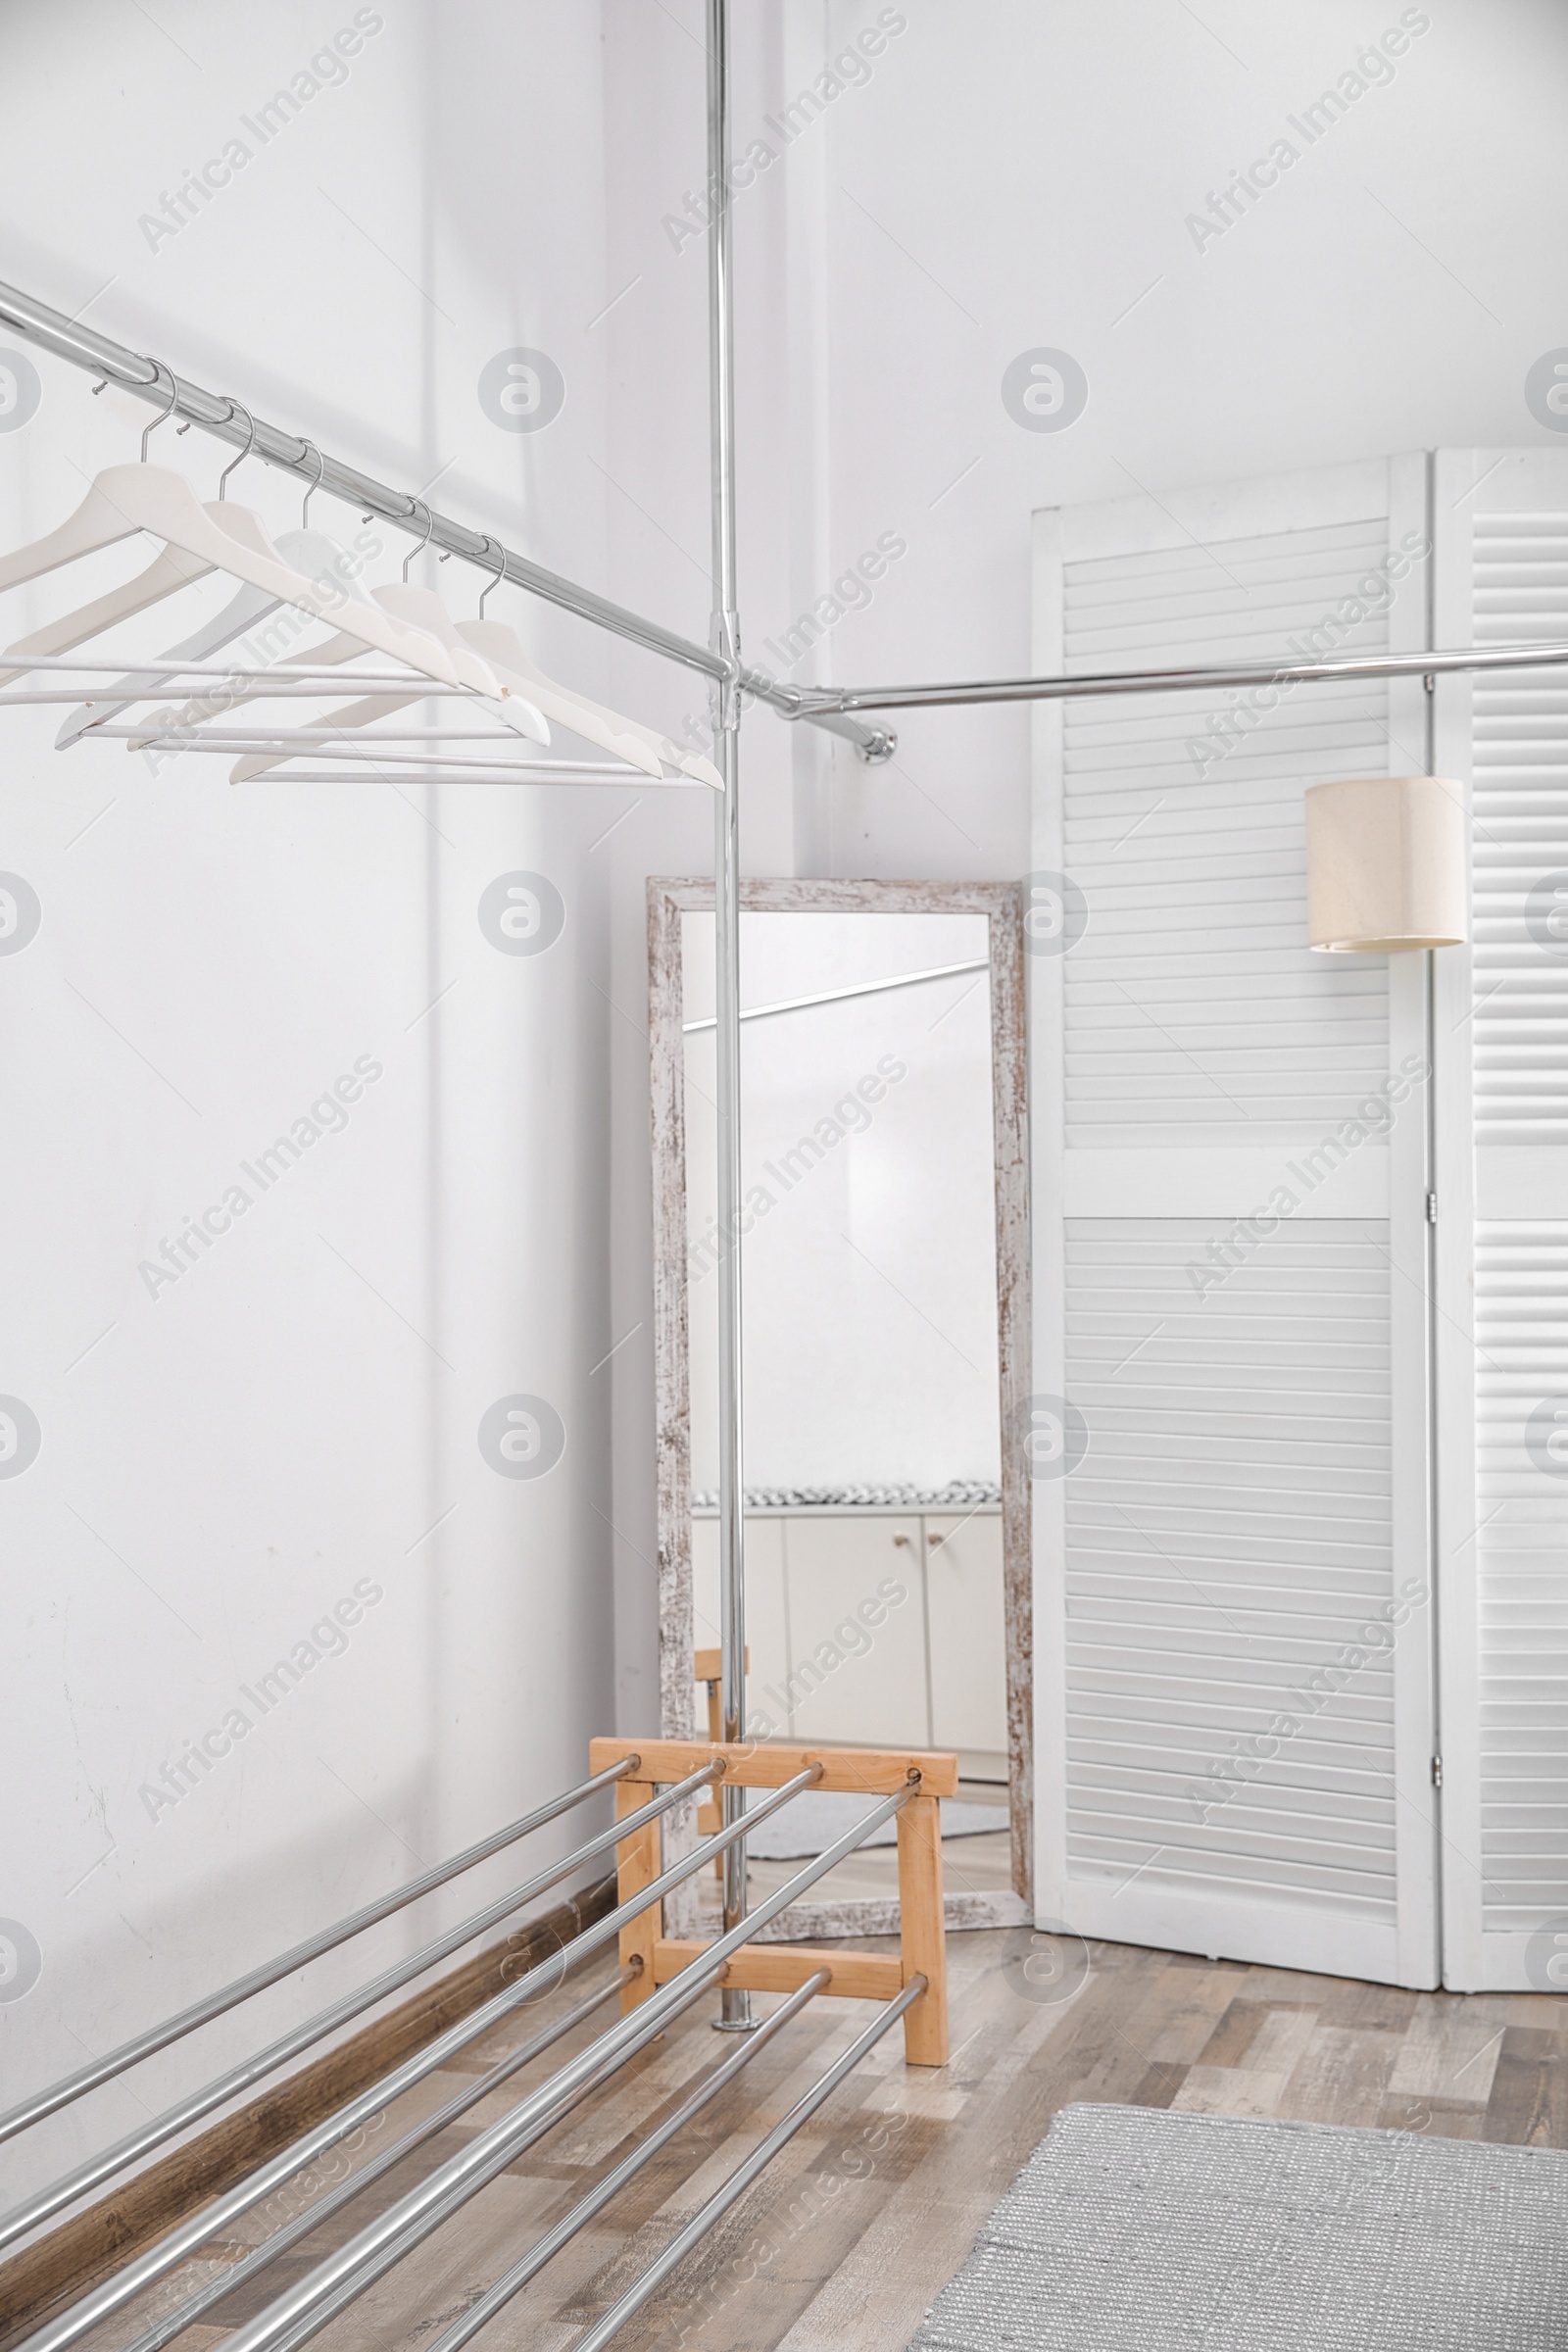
<point>780,1967</point>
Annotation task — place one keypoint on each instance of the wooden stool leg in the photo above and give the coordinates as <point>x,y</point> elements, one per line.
<point>922,1929</point>
<point>637,1866</point>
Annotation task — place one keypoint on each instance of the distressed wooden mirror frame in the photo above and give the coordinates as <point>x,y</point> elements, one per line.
<point>1001,905</point>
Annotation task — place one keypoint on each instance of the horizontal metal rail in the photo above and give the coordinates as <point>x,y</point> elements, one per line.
<point>191,2109</point>
<point>440,765</point>
<point>314,738</point>
<point>363,754</point>
<point>68,2326</point>
<point>503,779</point>
<point>405,2226</point>
<point>211,2221</point>
<point>740,2180</point>
<point>551,2104</point>
<point>529,2264</point>
<point>307,2307</point>
<point>151,379</point>
<point>161,669</point>
<point>815,702</point>
<point>837,996</point>
<point>30,697</point>
<point>311,2217</point>
<point>298,2314</point>
<point>187,2021</point>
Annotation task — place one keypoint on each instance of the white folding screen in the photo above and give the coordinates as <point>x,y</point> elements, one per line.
<point>1501,1030</point>
<point>1234,1672</point>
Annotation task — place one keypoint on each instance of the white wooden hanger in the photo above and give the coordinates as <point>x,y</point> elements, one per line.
<point>125,499</point>
<point>310,552</point>
<point>501,644</point>
<point>423,610</point>
<point>331,652</point>
<point>643,746</point>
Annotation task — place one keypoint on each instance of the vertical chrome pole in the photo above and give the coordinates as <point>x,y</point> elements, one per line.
<point>735,2008</point>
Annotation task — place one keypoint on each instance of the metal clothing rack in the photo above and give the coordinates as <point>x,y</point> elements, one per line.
<point>917,1991</point>
<point>732,681</point>
<point>653,1997</point>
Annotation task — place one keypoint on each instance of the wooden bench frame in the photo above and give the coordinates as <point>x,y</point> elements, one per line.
<point>781,1966</point>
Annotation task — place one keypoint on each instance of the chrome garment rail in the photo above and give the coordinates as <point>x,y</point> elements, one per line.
<point>154,380</point>
<point>740,2180</point>
<point>528,1987</point>
<point>815,702</point>
<point>308,2304</point>
<point>305,2223</point>
<point>190,2110</point>
<point>583,2213</point>
<point>158,2037</point>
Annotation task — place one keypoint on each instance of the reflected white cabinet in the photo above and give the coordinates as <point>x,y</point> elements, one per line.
<point>877,1627</point>
<point>857,1630</point>
<point>767,1626</point>
<point>966,1633</point>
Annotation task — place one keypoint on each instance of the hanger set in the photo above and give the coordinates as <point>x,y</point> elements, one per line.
<point>482,662</point>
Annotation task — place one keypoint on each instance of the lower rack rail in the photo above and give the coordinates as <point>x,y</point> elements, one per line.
<point>659,1980</point>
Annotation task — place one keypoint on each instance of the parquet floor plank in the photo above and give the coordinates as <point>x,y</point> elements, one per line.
<point>844,2242</point>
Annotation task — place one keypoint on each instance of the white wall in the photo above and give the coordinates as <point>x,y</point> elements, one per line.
<point>226,1459</point>
<point>1016,178</point>
<point>246,1446</point>
<point>1028,173</point>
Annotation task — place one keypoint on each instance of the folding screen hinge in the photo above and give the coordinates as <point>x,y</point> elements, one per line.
<point>1437,1771</point>
<point>1432,1208</point>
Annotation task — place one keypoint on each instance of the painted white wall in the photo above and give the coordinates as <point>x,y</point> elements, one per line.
<point>1020,178</point>
<point>248,1446</point>
<point>296,1417</point>
<point>1013,177</point>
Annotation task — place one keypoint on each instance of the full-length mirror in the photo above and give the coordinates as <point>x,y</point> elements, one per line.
<point>881,1224</point>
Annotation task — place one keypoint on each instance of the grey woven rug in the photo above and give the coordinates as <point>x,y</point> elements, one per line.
<point>1139,2230</point>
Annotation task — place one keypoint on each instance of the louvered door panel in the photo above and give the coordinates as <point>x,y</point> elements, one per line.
<point>1521,1465</point>
<point>1231,1710</point>
<point>1185,834</point>
<point>1520,915</point>
<point>1228,1533</point>
<point>1502,1395</point>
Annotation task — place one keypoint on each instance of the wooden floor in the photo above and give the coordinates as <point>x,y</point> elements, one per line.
<point>844,2241</point>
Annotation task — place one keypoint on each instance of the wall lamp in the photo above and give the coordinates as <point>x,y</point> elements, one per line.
<point>1385,864</point>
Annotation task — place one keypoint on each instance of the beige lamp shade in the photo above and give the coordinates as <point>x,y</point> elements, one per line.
<point>1386,866</point>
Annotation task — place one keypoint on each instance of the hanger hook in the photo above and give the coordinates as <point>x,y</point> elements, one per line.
<point>429,534</point>
<point>501,570</point>
<point>173,395</point>
<point>250,444</point>
<point>321,469</point>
